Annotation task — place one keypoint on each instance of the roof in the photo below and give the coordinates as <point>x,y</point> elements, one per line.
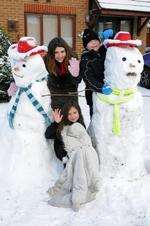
<point>130,5</point>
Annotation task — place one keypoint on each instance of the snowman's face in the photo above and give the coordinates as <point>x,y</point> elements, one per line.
<point>28,70</point>
<point>123,67</point>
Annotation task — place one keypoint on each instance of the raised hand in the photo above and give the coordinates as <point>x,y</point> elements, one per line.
<point>57,115</point>
<point>74,67</point>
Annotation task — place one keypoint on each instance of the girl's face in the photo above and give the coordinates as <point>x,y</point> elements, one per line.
<point>60,54</point>
<point>94,44</point>
<point>73,114</point>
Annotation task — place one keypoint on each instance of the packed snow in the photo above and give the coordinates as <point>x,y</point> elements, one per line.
<point>30,208</point>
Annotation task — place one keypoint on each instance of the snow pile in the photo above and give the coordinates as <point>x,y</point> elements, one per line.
<point>125,182</point>
<point>31,208</point>
<point>28,167</point>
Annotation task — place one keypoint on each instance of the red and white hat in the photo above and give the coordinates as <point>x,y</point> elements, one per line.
<point>26,46</point>
<point>122,39</point>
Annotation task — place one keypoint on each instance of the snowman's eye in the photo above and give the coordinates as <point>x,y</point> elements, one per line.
<point>124,58</point>
<point>139,61</point>
<point>23,65</point>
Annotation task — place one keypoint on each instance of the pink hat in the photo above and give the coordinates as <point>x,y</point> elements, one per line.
<point>26,46</point>
<point>122,39</point>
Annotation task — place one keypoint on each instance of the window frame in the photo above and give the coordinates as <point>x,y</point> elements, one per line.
<point>71,16</point>
<point>117,22</point>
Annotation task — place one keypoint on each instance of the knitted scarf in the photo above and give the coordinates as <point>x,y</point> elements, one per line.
<point>61,69</point>
<point>33,101</point>
<point>123,97</point>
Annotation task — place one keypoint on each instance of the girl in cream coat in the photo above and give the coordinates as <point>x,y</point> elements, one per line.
<point>79,181</point>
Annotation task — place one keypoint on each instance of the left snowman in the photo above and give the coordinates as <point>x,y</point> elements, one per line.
<point>28,116</point>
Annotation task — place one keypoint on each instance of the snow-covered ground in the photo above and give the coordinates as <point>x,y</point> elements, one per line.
<point>31,209</point>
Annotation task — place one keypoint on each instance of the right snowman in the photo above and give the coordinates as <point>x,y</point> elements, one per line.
<point>117,128</point>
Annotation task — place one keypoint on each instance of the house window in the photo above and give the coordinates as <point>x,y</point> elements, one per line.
<point>104,25</point>
<point>33,26</point>
<point>50,28</point>
<point>117,24</point>
<point>67,30</point>
<point>44,27</point>
<point>125,25</point>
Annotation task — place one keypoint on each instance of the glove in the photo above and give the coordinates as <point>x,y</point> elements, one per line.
<point>74,67</point>
<point>106,89</point>
<point>106,34</point>
<point>12,89</point>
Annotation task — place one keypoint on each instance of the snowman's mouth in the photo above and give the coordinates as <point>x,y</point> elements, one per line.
<point>131,74</point>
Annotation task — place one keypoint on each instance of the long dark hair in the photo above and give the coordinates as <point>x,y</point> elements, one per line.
<point>65,112</point>
<point>50,57</point>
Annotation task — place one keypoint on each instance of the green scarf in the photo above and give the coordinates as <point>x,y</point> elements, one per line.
<point>123,97</point>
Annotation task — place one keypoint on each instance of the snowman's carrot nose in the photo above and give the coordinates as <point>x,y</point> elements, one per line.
<point>15,69</point>
<point>131,65</point>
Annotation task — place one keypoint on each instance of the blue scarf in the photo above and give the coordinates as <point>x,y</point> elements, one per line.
<point>34,102</point>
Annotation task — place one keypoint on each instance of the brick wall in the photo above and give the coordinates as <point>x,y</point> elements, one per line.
<point>14,10</point>
<point>143,37</point>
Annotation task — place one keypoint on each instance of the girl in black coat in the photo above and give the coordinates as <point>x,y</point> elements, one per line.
<point>63,70</point>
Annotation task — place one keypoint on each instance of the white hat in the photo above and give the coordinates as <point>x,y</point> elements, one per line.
<point>26,46</point>
<point>122,39</point>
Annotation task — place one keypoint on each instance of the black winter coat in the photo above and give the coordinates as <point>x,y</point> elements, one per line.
<point>92,68</point>
<point>51,133</point>
<point>92,72</point>
<point>62,85</point>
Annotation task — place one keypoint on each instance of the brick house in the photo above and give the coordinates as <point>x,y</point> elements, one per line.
<point>44,19</point>
<point>128,15</point>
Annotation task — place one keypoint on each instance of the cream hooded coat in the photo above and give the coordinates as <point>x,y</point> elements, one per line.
<point>79,182</point>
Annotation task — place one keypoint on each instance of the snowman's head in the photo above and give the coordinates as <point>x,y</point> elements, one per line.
<point>123,67</point>
<point>26,61</point>
<point>123,64</point>
<point>28,70</point>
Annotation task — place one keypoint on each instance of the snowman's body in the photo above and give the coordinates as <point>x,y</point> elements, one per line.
<point>121,154</point>
<point>123,176</point>
<point>30,158</point>
<point>33,73</point>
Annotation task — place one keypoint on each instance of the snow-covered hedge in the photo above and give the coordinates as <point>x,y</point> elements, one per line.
<point>5,69</point>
